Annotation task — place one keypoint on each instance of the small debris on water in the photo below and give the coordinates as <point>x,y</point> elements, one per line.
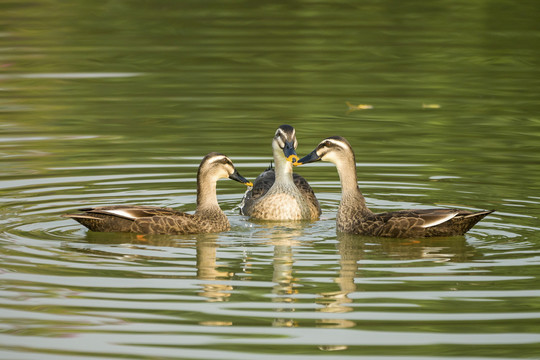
<point>353,107</point>
<point>431,106</point>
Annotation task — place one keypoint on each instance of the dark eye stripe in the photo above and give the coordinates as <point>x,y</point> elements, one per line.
<point>335,144</point>
<point>220,160</point>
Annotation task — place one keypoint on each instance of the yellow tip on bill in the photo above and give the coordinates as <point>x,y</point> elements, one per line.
<point>293,158</point>
<point>249,183</point>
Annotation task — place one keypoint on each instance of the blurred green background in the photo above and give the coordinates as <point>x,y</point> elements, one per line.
<point>117,101</point>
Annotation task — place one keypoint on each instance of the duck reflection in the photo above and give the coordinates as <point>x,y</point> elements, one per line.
<point>133,240</point>
<point>207,269</point>
<point>440,249</point>
<point>350,252</point>
<point>205,245</point>
<point>283,240</point>
<point>354,248</point>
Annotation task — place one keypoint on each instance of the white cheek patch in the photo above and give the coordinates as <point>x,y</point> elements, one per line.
<point>330,156</point>
<point>223,174</point>
<point>280,142</point>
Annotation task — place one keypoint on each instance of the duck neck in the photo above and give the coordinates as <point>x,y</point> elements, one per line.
<point>283,169</point>
<point>351,196</point>
<point>207,196</point>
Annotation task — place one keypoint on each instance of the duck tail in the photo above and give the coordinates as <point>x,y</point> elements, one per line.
<point>479,214</point>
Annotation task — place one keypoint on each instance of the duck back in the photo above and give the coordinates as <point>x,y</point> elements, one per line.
<point>149,220</point>
<point>412,223</point>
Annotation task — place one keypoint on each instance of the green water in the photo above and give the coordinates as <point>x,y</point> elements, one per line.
<point>116,102</point>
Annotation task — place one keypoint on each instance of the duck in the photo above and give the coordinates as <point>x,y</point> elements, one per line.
<point>277,193</point>
<point>354,217</point>
<point>208,216</point>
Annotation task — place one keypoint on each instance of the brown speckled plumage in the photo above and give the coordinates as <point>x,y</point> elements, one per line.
<point>153,220</point>
<point>409,223</point>
<point>278,194</point>
<point>356,218</point>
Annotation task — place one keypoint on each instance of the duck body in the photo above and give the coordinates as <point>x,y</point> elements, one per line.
<point>355,217</point>
<point>409,223</point>
<point>150,220</point>
<point>278,194</point>
<point>282,202</point>
<point>155,220</point>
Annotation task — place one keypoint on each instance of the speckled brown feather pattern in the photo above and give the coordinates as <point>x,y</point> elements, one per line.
<point>407,223</point>
<point>151,220</point>
<point>252,205</point>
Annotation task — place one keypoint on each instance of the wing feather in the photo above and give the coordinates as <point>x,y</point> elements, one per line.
<point>132,212</point>
<point>437,219</point>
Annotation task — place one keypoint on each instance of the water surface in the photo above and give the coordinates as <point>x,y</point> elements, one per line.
<point>117,102</point>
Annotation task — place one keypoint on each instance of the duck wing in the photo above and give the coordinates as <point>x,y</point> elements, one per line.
<point>261,185</point>
<point>129,212</point>
<point>308,193</point>
<point>426,222</point>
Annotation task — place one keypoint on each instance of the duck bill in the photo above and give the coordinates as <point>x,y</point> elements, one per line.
<point>290,153</point>
<point>237,177</point>
<point>309,158</point>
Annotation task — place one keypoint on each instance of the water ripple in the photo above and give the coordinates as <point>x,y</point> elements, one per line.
<point>95,75</point>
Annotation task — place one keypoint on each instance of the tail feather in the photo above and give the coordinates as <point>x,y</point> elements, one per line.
<point>481,214</point>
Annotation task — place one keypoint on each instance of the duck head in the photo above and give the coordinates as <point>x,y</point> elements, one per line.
<point>218,166</point>
<point>335,149</point>
<point>285,141</point>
